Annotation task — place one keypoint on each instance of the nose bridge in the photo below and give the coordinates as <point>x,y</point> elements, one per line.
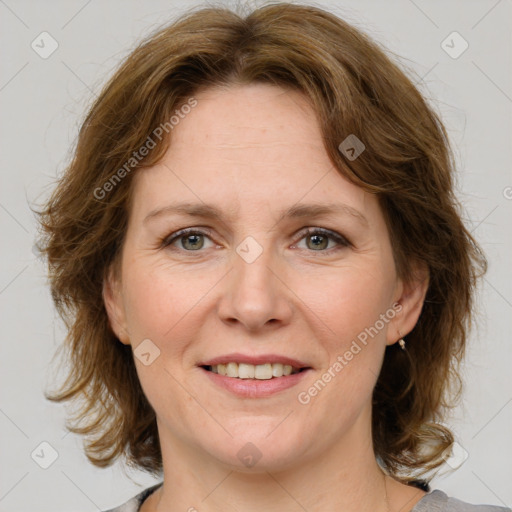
<point>255,295</point>
<point>253,264</point>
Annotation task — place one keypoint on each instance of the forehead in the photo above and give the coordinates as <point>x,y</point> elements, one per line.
<point>244,122</point>
<point>246,147</point>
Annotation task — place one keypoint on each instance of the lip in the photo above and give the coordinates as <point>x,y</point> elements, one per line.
<point>254,388</point>
<point>236,357</point>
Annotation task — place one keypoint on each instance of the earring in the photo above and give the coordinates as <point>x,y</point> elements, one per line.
<point>401,341</point>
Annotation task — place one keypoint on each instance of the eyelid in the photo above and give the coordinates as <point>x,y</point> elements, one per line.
<point>185,231</point>
<point>341,240</point>
<point>337,237</point>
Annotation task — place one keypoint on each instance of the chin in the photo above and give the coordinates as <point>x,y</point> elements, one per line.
<point>252,450</point>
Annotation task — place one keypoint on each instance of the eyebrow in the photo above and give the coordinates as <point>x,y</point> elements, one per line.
<point>206,211</point>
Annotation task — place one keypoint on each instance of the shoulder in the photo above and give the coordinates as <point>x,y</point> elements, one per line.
<point>434,501</point>
<point>438,501</point>
<point>134,504</point>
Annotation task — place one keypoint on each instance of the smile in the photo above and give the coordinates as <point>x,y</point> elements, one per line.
<point>261,385</point>
<point>264,371</point>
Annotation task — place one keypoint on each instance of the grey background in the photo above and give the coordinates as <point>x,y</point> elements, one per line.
<point>42,102</point>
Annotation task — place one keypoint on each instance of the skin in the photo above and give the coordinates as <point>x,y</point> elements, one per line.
<point>253,151</point>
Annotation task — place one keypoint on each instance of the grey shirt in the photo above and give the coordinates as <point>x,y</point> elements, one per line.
<point>434,501</point>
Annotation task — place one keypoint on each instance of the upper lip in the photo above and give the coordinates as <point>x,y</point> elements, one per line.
<point>236,357</point>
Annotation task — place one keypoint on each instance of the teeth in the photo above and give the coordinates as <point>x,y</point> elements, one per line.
<point>246,371</point>
<point>263,371</point>
<point>277,370</point>
<point>249,371</point>
<point>232,370</point>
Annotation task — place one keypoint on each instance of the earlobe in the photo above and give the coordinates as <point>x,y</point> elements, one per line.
<point>114,307</point>
<point>411,300</point>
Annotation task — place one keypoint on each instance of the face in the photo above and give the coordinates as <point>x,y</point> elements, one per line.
<point>260,276</point>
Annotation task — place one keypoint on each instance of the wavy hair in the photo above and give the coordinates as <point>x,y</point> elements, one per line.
<point>354,87</point>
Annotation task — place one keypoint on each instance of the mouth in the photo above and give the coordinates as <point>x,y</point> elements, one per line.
<point>254,376</point>
<point>265,371</point>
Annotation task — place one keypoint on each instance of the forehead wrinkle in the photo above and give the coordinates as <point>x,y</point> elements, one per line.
<point>208,211</point>
<point>323,209</point>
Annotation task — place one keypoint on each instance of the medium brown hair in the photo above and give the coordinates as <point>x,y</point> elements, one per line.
<point>354,88</point>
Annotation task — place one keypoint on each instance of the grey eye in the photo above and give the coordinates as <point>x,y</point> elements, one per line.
<point>193,241</point>
<point>317,242</point>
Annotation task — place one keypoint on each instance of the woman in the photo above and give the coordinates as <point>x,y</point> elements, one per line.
<point>265,275</point>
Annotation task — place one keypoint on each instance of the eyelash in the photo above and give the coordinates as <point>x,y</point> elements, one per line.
<point>339,239</point>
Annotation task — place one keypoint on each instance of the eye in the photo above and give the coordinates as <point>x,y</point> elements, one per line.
<point>319,239</point>
<point>191,239</point>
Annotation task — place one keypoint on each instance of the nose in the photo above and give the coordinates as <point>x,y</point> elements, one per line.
<point>256,295</point>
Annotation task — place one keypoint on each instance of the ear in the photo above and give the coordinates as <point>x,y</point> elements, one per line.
<point>409,303</point>
<point>112,298</point>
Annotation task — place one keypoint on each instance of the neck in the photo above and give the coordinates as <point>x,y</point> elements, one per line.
<point>344,477</point>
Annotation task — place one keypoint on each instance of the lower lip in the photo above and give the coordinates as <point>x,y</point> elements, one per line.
<point>255,388</point>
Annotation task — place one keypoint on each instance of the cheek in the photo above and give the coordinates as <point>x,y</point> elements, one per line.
<point>159,306</point>
<point>347,311</point>
<point>347,306</point>
<point>149,306</point>
<point>156,300</point>
<point>348,300</point>
<point>170,308</point>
